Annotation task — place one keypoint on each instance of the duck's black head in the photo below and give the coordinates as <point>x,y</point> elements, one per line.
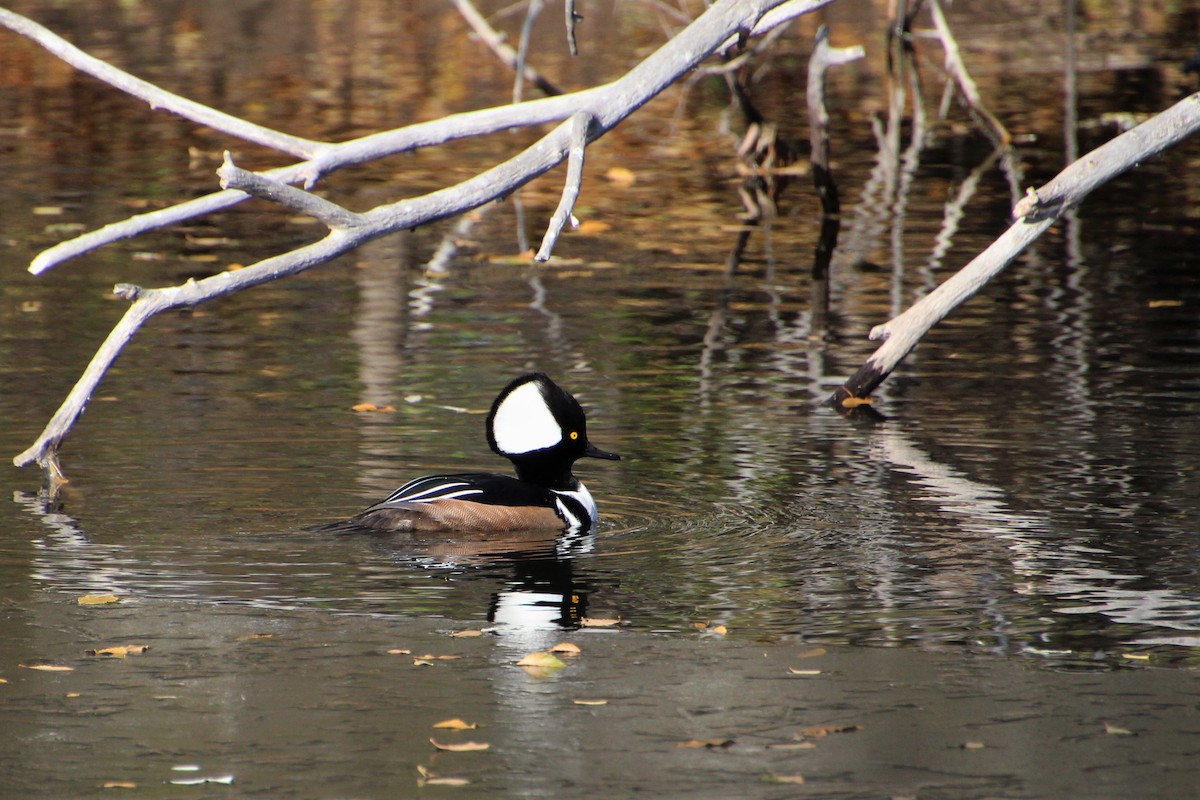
<point>541,428</point>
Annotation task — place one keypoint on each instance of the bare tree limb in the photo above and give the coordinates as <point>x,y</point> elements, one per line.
<point>724,22</point>
<point>531,12</point>
<point>1037,212</point>
<point>579,128</point>
<point>958,71</point>
<point>156,97</point>
<point>572,18</point>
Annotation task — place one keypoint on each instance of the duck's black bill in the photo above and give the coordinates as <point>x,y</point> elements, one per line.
<point>592,452</point>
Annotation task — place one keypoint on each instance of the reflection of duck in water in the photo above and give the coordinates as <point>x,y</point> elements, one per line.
<point>540,428</point>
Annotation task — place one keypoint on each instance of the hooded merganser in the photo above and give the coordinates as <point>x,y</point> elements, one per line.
<point>540,428</point>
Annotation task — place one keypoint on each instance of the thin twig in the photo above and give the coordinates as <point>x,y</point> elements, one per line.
<point>579,126</point>
<point>535,8</point>
<point>495,42</point>
<point>958,71</point>
<point>572,18</point>
<point>333,215</point>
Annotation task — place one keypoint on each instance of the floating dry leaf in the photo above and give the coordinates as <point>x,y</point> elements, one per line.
<point>429,778</point>
<point>719,630</point>
<point>709,743</point>
<point>566,648</point>
<point>222,779</point>
<point>360,407</point>
<point>621,176</point>
<point>3,680</point>
<point>72,695</point>
<point>118,785</point>
<point>855,402</point>
<point>791,746</point>
<point>47,667</point>
<point>432,657</point>
<point>467,634</point>
<point>1164,304</point>
<point>579,701</point>
<point>396,651</point>
<point>794,671</point>
<point>819,731</point>
<point>459,747</point>
<point>1136,656</point>
<point>595,622</point>
<point>593,227</point>
<point>98,599</point>
<point>118,651</point>
<point>813,653</point>
<point>47,211</point>
<point>456,724</point>
<point>255,636</point>
<point>1114,730</point>
<point>793,779</point>
<point>422,662</point>
<point>541,660</point>
<point>973,745</point>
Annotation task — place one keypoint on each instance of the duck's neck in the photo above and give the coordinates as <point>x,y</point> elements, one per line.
<point>544,471</point>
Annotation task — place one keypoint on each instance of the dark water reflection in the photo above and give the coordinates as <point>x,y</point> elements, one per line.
<point>1017,544</point>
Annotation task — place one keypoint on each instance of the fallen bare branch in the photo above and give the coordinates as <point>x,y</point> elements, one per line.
<point>572,18</point>
<point>958,71</point>
<point>156,97</point>
<point>1037,212</point>
<point>333,215</point>
<point>723,23</point>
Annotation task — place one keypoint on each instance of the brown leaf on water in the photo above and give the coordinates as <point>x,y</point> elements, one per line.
<point>467,634</point>
<point>97,599</point>
<point>118,785</point>
<point>362,407</point>
<point>3,680</point>
<point>1164,303</point>
<point>579,701</point>
<point>621,176</point>
<point>459,747</point>
<point>541,660</point>
<point>972,745</point>
<point>791,746</point>
<point>456,724</point>
<point>719,630</point>
<point>47,667</point>
<point>855,402</point>
<point>820,731</point>
<point>118,651</point>
<point>813,653</point>
<point>708,743</point>
<point>254,636</point>
<point>428,777</point>
<point>566,648</point>
<point>595,622</point>
<point>592,227</point>
<point>1114,730</point>
<point>432,657</point>
<point>792,779</point>
<point>422,662</point>
<point>794,671</point>
<point>396,651</point>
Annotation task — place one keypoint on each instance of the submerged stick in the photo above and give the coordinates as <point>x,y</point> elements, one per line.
<point>1034,214</point>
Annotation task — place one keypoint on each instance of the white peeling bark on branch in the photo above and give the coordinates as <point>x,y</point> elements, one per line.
<point>724,23</point>
<point>1034,214</point>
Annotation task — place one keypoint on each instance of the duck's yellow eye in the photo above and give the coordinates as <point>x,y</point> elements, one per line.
<point>574,435</point>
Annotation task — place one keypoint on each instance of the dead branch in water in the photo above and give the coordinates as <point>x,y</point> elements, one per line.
<point>725,23</point>
<point>1034,214</point>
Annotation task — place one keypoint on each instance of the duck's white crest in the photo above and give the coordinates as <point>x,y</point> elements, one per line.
<point>523,422</point>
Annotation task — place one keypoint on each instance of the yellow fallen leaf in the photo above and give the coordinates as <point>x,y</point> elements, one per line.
<point>1114,730</point>
<point>709,743</point>
<point>422,662</point>
<point>47,667</point>
<point>791,746</point>
<point>973,745</point>
<point>593,622</point>
<point>813,653</point>
<point>455,724</point>
<point>593,227</point>
<point>566,648</point>
<point>255,636</point>
<point>47,211</point>
<point>396,651</point>
<point>819,731</point>
<point>118,785</point>
<point>855,402</point>
<point>581,702</point>
<point>794,671</point>
<point>467,634</point>
<point>1136,656</point>
<point>1164,304</point>
<point>3,680</point>
<point>719,630</point>
<point>541,660</point>
<point>621,176</point>
<point>98,599</point>
<point>73,695</point>
<point>432,657</point>
<point>118,651</point>
<point>793,779</point>
<point>360,407</point>
<point>459,747</point>
<point>444,781</point>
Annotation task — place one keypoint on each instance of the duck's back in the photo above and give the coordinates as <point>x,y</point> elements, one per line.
<point>475,501</point>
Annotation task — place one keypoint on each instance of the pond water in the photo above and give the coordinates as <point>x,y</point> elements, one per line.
<point>991,591</point>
